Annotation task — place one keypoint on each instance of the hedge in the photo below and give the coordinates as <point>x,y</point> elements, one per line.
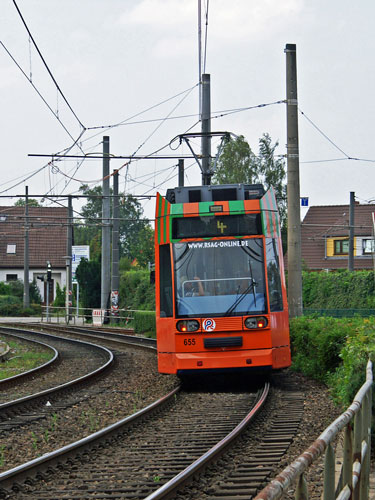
<point>334,351</point>
<point>136,292</point>
<point>145,322</point>
<point>17,310</point>
<point>338,290</point>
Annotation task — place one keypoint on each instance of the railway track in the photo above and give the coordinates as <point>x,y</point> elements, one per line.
<point>112,336</point>
<point>26,402</point>
<point>134,464</point>
<point>152,458</point>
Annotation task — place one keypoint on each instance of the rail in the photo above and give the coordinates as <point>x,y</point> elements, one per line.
<point>355,472</point>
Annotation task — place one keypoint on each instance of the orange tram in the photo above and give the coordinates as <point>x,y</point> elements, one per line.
<point>219,274</point>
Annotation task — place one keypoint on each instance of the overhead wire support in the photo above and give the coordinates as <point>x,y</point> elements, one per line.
<point>46,65</point>
<point>124,122</point>
<point>323,134</point>
<point>347,157</point>
<point>115,157</point>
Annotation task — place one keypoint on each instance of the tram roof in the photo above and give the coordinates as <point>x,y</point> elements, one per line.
<point>221,192</point>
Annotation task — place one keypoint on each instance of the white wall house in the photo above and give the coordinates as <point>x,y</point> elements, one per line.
<point>47,242</point>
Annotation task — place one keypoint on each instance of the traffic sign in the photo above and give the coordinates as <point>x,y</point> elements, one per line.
<point>78,252</point>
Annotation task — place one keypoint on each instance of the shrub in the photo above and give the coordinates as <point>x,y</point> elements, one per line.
<point>16,288</point>
<point>60,296</point>
<point>35,296</point>
<point>351,374</point>
<point>17,310</point>
<point>136,291</point>
<point>334,351</point>
<point>145,322</point>
<point>339,290</point>
<point>8,300</point>
<point>316,344</point>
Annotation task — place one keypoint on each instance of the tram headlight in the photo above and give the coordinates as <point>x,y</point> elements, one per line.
<point>188,325</point>
<point>258,322</point>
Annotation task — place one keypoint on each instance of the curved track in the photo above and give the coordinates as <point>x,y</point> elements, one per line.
<point>20,401</point>
<point>153,455</point>
<point>132,464</point>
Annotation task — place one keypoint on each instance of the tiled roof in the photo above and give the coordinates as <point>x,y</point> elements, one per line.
<point>322,222</point>
<point>47,236</point>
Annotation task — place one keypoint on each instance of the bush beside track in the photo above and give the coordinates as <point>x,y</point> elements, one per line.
<point>338,290</point>
<point>334,351</point>
<point>145,322</point>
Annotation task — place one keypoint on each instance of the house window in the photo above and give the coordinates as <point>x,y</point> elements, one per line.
<point>11,249</point>
<point>11,277</point>
<point>368,246</point>
<point>341,247</point>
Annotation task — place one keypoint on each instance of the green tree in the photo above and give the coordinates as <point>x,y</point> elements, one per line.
<point>60,296</point>
<point>88,275</point>
<point>238,164</point>
<point>135,234</point>
<point>31,202</point>
<point>272,173</point>
<point>34,293</point>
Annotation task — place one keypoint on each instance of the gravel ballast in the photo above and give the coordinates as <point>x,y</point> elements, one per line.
<point>135,383</point>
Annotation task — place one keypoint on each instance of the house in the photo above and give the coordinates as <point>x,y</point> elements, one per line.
<point>325,237</point>
<point>47,242</point>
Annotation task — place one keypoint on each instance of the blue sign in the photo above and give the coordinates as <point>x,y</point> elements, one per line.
<point>304,202</point>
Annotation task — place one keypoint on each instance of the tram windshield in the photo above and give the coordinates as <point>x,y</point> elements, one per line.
<point>219,277</point>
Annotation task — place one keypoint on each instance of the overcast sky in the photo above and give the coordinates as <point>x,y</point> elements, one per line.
<point>113,59</point>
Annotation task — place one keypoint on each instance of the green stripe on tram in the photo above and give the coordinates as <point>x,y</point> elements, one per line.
<point>177,209</point>
<point>237,206</point>
<point>159,221</point>
<point>204,207</point>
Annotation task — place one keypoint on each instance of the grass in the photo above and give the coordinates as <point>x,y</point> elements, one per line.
<point>22,357</point>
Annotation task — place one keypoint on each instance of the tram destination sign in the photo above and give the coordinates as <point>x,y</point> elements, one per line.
<point>216,226</point>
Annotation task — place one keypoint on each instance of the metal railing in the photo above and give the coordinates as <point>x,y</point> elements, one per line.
<point>355,470</point>
<point>81,316</point>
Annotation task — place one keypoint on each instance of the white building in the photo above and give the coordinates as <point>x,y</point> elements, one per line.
<point>47,242</point>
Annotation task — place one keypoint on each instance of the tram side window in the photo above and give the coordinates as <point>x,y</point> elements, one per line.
<point>273,272</point>
<point>166,308</point>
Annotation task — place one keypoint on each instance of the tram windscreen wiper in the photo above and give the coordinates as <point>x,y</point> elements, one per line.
<point>240,297</point>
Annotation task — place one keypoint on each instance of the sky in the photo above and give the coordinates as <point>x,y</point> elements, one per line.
<point>133,65</point>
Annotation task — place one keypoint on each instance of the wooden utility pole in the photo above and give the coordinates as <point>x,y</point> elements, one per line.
<point>293,187</point>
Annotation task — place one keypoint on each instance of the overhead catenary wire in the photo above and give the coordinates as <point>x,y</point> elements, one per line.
<point>322,133</point>
<point>41,168</point>
<point>347,157</point>
<point>124,122</point>
<point>46,65</point>
<point>131,157</point>
<point>76,168</point>
<point>216,114</point>
<point>36,90</point>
